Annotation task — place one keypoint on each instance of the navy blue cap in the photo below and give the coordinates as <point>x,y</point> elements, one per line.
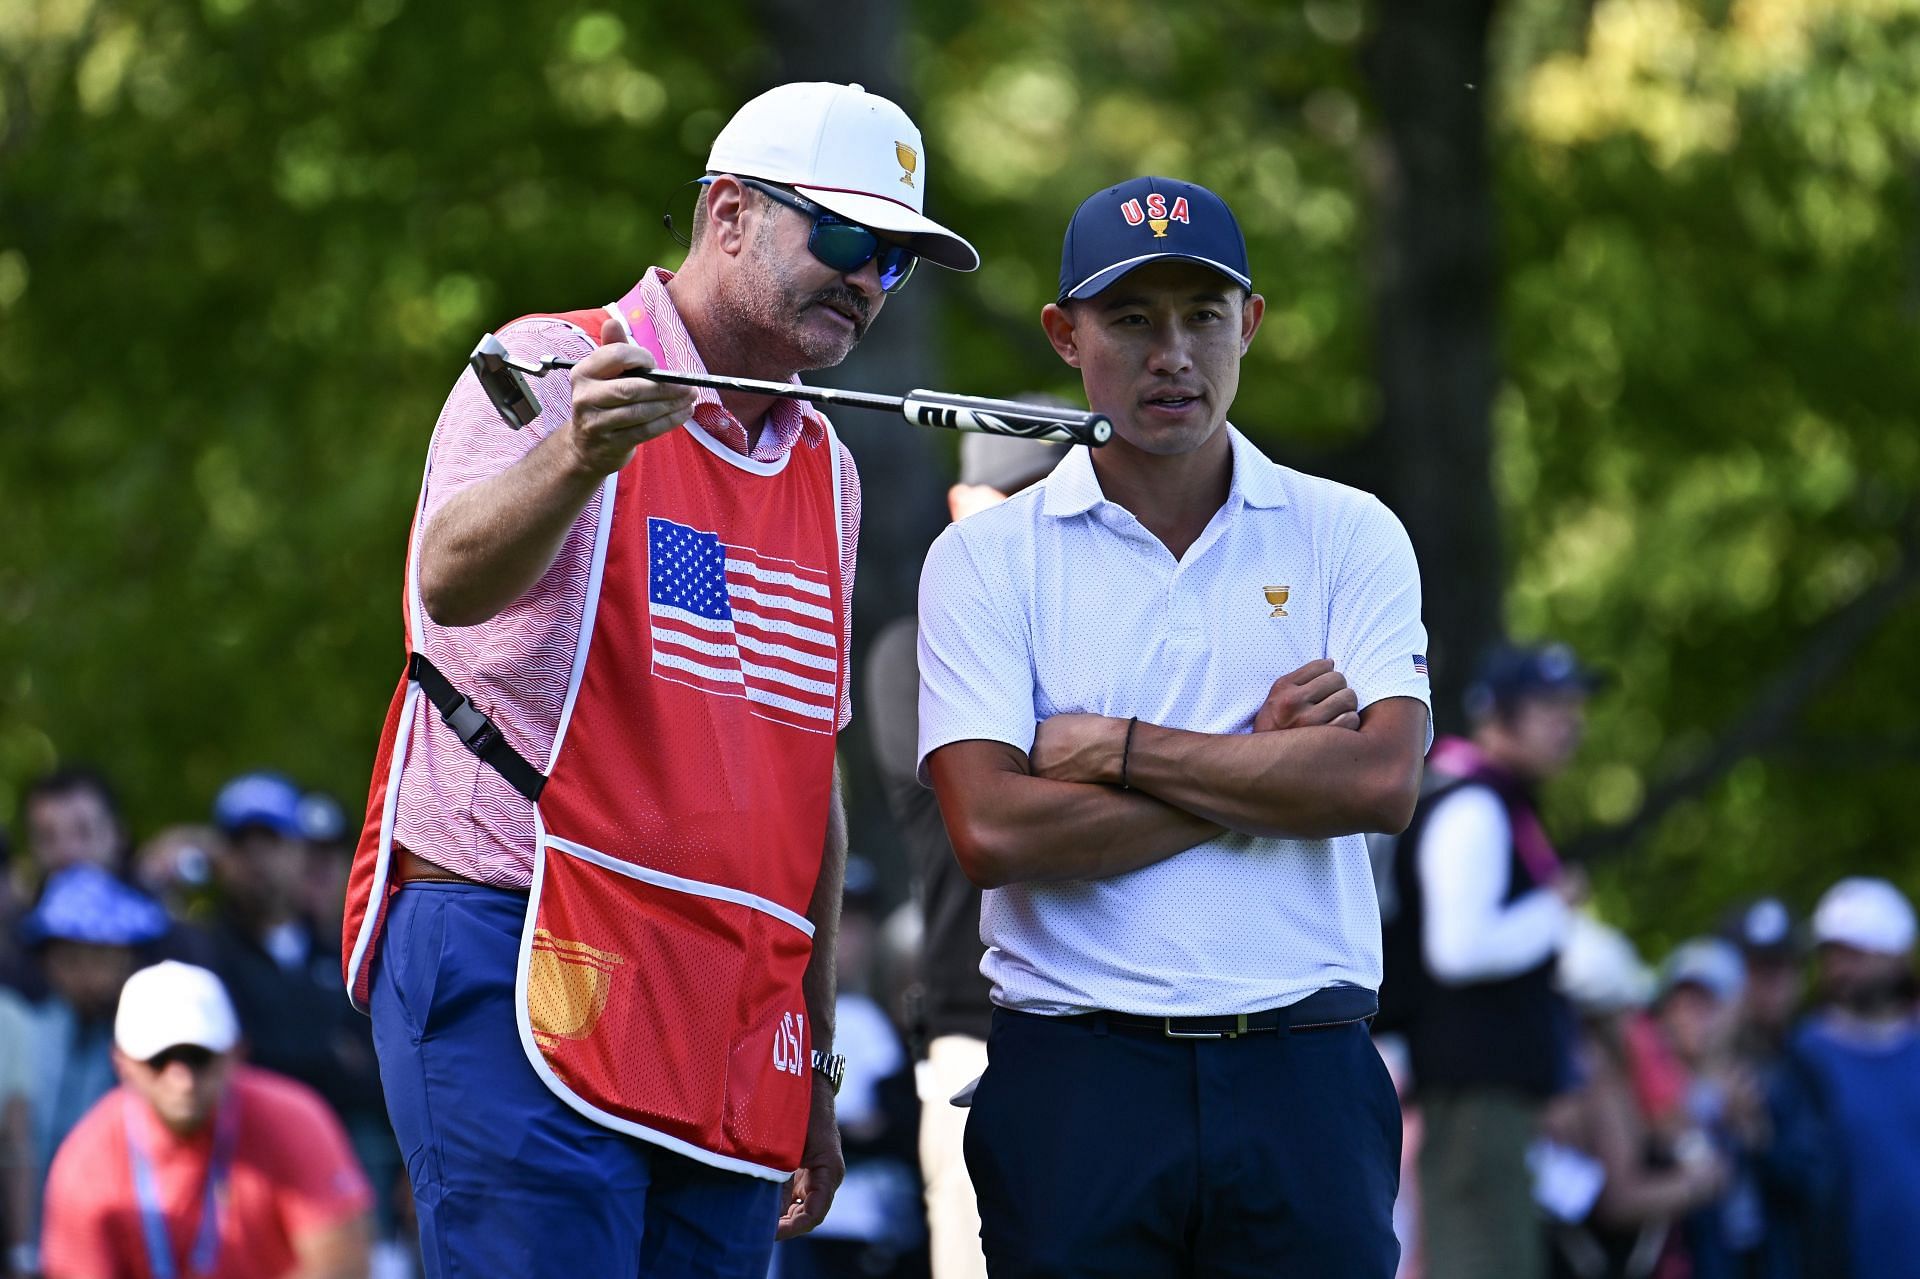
<point>258,799</point>
<point>1510,672</point>
<point>1763,928</point>
<point>1148,220</point>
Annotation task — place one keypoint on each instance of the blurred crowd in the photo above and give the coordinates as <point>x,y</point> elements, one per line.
<point>1749,1106</point>
<point>254,895</point>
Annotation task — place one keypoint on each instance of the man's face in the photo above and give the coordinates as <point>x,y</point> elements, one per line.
<point>1773,992</point>
<point>87,976</point>
<point>1860,979</point>
<point>72,828</point>
<point>263,871</point>
<point>1159,351</point>
<point>184,1084</point>
<point>1698,1023</point>
<point>1544,731</point>
<point>790,303</point>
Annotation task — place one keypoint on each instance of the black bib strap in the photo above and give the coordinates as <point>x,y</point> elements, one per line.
<point>476,732</point>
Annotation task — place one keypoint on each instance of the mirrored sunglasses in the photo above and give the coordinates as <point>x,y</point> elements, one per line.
<point>841,244</point>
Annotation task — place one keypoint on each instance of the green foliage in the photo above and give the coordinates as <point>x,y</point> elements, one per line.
<point>1707,444</point>
<point>243,248</point>
<point>244,243</point>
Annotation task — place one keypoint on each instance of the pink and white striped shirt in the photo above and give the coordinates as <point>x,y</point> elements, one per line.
<point>454,810</point>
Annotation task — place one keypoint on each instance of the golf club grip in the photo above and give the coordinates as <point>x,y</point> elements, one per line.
<point>1006,417</point>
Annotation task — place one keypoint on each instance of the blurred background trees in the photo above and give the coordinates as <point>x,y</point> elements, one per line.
<point>1614,302</point>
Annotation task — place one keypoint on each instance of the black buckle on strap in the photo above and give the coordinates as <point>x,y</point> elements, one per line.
<point>476,732</point>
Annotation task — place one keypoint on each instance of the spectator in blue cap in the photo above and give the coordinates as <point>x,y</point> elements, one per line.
<point>87,931</point>
<point>1769,942</point>
<point>282,970</point>
<point>282,973</point>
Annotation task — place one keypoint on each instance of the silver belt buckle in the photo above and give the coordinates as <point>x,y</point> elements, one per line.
<point>1239,1029</point>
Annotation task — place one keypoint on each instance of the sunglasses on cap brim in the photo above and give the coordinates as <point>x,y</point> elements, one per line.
<point>192,1056</point>
<point>843,245</point>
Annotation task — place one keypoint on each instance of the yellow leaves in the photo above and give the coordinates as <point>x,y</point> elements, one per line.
<point>597,36</point>
<point>13,277</point>
<point>1658,70</point>
<point>1014,127</point>
<point>1613,792</point>
<point>24,23</point>
<point>596,82</point>
<point>104,67</point>
<point>233,509</point>
<point>1641,73</point>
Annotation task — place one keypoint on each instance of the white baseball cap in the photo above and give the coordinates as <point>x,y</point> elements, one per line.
<point>171,1004</point>
<point>1866,914</point>
<point>849,151</point>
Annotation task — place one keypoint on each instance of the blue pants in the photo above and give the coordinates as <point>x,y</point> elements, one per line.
<point>507,1180</point>
<point>1097,1151</point>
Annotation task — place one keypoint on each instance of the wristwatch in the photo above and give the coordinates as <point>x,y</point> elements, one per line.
<point>832,1067</point>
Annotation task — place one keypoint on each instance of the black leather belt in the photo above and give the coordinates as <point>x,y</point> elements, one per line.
<point>1324,1009</point>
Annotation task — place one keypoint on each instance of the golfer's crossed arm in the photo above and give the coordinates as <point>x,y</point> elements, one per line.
<point>1314,767</point>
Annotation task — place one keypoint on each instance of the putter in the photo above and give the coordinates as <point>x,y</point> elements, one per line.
<point>504,378</point>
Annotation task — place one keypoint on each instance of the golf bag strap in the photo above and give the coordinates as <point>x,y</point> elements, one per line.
<point>476,732</point>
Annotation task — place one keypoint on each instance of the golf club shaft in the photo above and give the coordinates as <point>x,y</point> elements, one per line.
<point>922,408</point>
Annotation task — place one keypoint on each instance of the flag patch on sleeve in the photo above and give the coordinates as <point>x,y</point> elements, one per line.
<point>1419,663</point>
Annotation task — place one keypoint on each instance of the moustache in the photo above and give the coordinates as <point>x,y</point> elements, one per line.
<point>849,302</point>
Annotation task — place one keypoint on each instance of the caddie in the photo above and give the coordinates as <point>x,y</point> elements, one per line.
<point>593,908</point>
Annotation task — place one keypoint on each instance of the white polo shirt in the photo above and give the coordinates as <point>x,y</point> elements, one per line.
<point>1059,601</point>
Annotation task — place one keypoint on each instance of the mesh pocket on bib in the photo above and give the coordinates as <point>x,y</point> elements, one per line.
<point>646,1001</point>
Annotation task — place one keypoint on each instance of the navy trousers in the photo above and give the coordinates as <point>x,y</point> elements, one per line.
<point>506,1179</point>
<point>1097,1151</point>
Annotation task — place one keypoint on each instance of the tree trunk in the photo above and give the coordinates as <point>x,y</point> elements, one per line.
<point>1434,300</point>
<point>902,468</point>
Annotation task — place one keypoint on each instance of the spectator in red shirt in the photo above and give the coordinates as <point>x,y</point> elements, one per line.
<point>197,1166</point>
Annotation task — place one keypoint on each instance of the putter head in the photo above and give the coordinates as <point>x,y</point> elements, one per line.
<point>505,385</point>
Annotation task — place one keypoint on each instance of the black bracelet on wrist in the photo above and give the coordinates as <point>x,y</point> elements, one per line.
<point>1125,750</point>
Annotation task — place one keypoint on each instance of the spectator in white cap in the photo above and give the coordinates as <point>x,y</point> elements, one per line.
<point>1848,1106</point>
<point>632,615</point>
<point>198,1165</point>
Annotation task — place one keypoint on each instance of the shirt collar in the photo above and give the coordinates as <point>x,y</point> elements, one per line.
<point>788,421</point>
<point>1073,488</point>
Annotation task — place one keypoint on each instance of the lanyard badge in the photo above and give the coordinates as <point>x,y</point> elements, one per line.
<point>146,1188</point>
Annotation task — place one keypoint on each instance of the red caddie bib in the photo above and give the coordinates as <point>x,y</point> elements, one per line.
<point>679,834</point>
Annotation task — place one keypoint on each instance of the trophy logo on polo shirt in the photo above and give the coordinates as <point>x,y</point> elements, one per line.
<point>1277,596</point>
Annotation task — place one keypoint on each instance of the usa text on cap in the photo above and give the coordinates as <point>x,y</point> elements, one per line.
<point>1147,220</point>
<point>852,152</point>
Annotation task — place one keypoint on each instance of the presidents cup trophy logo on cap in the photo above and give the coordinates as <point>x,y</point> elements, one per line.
<point>908,162</point>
